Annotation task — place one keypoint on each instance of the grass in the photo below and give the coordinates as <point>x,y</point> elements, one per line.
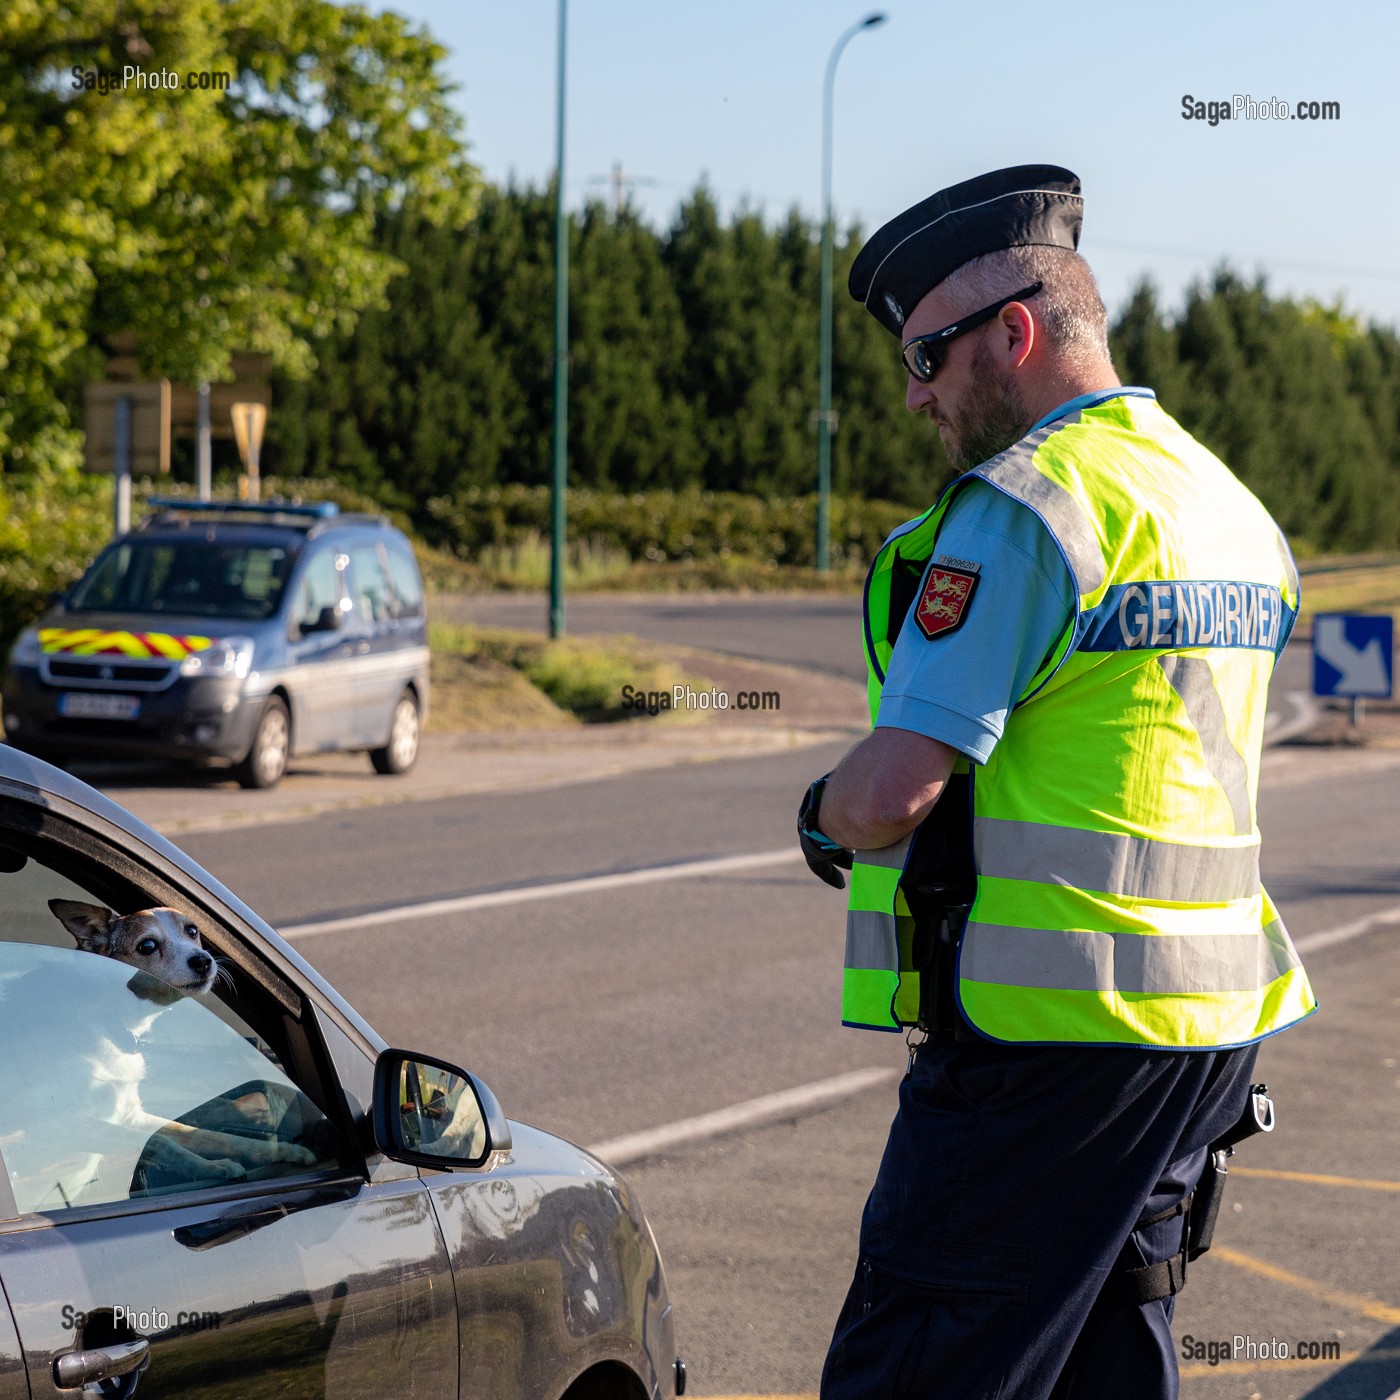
<point>491,678</point>
<point>1370,584</point>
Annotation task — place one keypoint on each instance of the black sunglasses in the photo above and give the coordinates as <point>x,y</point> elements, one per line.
<point>924,355</point>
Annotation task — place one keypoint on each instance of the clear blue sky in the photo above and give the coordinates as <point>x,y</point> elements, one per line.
<point>732,91</point>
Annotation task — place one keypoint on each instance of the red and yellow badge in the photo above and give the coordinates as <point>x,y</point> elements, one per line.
<point>943,603</point>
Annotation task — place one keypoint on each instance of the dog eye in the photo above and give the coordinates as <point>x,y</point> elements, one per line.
<point>192,931</point>
<point>147,946</point>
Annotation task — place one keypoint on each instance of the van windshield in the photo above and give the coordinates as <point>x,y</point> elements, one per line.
<point>195,578</point>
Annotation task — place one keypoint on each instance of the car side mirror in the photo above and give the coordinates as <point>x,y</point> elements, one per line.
<point>432,1114</point>
<point>327,620</point>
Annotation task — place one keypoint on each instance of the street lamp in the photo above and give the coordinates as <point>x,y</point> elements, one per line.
<point>561,363</point>
<point>825,417</point>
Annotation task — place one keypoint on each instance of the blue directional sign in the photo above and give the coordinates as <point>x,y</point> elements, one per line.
<point>1353,655</point>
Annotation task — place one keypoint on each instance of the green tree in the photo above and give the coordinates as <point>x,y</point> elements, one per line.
<point>206,220</point>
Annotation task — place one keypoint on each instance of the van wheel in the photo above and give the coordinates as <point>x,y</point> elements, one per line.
<point>399,754</point>
<point>272,746</point>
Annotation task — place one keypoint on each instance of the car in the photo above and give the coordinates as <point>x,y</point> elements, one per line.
<point>246,633</point>
<point>395,1233</point>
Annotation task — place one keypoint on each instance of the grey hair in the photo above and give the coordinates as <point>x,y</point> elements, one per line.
<point>1068,309</point>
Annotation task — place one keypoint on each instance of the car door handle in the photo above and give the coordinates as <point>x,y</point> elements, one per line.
<point>228,1227</point>
<point>74,1369</point>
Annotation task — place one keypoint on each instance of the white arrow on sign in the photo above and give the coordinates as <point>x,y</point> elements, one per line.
<point>1362,668</point>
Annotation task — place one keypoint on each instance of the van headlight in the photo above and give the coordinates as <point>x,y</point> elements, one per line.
<point>26,650</point>
<point>229,656</point>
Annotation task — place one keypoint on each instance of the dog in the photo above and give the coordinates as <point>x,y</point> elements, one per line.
<point>164,949</point>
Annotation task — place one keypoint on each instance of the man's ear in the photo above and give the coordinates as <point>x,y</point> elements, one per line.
<point>90,924</point>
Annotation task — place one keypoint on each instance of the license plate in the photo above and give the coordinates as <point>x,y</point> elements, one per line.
<point>74,704</point>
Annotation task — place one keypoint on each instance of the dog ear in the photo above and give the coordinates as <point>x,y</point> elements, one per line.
<point>90,924</point>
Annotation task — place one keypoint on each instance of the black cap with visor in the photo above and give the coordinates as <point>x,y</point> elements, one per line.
<point>1021,206</point>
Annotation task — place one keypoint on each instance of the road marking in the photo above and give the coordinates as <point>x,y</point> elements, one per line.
<point>1305,714</point>
<point>1344,933</point>
<point>1353,1302</point>
<point>1317,1179</point>
<point>560,889</point>
<point>1293,1363</point>
<point>753,1113</point>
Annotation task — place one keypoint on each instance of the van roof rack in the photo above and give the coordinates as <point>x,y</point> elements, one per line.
<point>304,510</point>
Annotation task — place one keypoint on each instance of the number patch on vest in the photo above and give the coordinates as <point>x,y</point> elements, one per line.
<point>943,603</point>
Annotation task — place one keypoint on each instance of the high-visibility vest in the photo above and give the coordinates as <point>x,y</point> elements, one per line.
<point>1114,842</point>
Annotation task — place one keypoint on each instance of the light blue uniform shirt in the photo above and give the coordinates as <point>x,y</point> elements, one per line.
<point>960,687</point>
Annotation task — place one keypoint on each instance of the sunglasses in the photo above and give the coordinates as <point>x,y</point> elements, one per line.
<point>924,355</point>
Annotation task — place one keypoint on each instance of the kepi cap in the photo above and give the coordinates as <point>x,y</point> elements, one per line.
<point>1013,208</point>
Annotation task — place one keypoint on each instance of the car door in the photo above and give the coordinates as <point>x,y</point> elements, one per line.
<point>378,672</point>
<point>322,662</point>
<point>183,1183</point>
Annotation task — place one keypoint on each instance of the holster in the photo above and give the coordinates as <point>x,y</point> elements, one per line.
<point>939,884</point>
<point>1133,1287</point>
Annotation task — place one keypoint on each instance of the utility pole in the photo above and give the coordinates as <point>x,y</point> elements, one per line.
<point>204,453</point>
<point>826,416</point>
<point>557,505</point>
<point>121,464</point>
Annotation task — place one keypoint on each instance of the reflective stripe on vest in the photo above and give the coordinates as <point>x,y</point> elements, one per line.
<point>872,981</point>
<point>1116,852</point>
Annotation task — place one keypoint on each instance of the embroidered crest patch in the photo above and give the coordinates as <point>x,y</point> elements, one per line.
<point>943,603</point>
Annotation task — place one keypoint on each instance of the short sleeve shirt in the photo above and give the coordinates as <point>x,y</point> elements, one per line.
<point>960,686</point>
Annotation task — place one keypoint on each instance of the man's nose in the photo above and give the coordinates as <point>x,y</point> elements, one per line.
<point>917,397</point>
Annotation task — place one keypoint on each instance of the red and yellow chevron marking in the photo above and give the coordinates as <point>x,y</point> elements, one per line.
<point>95,641</point>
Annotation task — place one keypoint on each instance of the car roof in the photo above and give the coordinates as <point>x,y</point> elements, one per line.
<point>32,780</point>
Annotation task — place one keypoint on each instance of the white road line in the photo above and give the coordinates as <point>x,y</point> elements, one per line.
<point>1305,715</point>
<point>1344,933</point>
<point>754,1113</point>
<point>524,894</point>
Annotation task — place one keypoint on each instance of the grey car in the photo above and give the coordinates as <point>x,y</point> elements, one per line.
<point>400,1237</point>
<point>234,632</point>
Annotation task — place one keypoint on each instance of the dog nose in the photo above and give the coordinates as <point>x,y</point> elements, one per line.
<point>200,963</point>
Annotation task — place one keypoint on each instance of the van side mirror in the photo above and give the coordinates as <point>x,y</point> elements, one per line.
<point>433,1114</point>
<point>327,620</point>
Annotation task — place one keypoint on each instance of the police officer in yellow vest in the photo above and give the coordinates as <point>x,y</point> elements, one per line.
<point>1051,829</point>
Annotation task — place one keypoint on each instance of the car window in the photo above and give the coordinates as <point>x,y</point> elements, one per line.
<point>200,578</point>
<point>403,570</point>
<point>372,592</point>
<point>320,587</point>
<point>114,1084</point>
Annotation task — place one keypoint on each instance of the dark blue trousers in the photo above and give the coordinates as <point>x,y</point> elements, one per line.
<point>1009,1191</point>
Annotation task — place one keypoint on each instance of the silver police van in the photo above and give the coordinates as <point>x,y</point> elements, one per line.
<point>227,631</point>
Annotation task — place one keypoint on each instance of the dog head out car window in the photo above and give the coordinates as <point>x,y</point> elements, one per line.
<point>116,1084</point>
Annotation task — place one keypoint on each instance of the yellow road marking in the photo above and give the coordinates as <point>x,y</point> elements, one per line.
<point>1362,1183</point>
<point>1198,1369</point>
<point>1353,1302</point>
<point>1293,1363</point>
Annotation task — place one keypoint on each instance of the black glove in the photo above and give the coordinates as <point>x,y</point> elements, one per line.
<point>822,854</point>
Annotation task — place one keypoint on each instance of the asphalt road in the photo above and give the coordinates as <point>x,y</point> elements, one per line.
<point>628,1008</point>
<point>796,629</point>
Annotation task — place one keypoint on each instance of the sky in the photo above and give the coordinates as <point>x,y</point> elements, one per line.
<point>729,91</point>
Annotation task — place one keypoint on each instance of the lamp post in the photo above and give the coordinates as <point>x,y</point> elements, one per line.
<point>560,485</point>
<point>825,417</point>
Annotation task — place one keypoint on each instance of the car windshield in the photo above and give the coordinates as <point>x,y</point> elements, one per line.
<point>196,577</point>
